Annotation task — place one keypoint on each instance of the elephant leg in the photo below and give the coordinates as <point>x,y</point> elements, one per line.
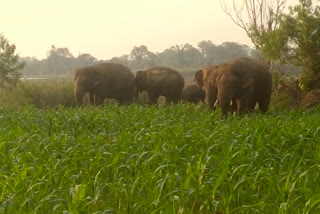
<point>242,105</point>
<point>91,98</point>
<point>263,105</point>
<point>245,99</point>
<point>172,99</point>
<point>175,100</point>
<point>99,100</point>
<point>124,102</point>
<point>252,105</point>
<point>153,99</point>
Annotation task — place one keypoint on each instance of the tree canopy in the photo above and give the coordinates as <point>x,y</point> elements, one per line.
<point>10,66</point>
<point>180,56</point>
<point>291,37</point>
<point>302,28</point>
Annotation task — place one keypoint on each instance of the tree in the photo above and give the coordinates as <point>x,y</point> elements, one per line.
<point>205,48</point>
<point>142,57</point>
<point>260,20</point>
<point>84,59</point>
<point>60,60</point>
<point>124,59</point>
<point>10,66</point>
<point>301,25</point>
<point>168,57</point>
<point>191,56</point>
<point>230,50</point>
<point>214,54</point>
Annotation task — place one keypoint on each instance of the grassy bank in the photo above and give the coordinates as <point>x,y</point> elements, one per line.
<point>173,159</point>
<point>41,94</point>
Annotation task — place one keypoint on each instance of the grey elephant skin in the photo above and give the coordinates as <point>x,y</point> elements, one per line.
<point>244,81</point>
<point>160,81</point>
<point>193,94</point>
<point>104,80</point>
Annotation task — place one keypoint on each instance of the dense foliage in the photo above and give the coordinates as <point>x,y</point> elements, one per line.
<point>10,66</point>
<point>171,159</point>
<point>301,26</point>
<point>286,37</point>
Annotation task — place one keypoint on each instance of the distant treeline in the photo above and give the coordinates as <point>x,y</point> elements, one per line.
<point>184,57</point>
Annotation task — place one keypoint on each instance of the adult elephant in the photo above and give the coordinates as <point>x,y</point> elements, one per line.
<point>193,94</point>
<point>160,81</point>
<point>104,80</point>
<point>202,79</point>
<point>245,80</point>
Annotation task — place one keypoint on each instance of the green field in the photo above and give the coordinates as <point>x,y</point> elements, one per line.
<point>169,159</point>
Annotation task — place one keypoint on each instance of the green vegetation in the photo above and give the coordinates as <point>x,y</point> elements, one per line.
<point>282,36</point>
<point>303,47</point>
<point>41,94</point>
<point>172,159</point>
<point>10,67</point>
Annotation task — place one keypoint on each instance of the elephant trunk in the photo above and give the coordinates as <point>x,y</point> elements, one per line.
<point>225,96</point>
<point>78,95</point>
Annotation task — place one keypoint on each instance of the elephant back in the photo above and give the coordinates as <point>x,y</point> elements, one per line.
<point>193,93</point>
<point>165,75</point>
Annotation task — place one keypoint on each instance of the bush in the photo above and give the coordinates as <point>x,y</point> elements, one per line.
<point>287,93</point>
<point>41,94</point>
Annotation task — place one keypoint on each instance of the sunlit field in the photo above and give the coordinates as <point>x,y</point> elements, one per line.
<point>169,159</point>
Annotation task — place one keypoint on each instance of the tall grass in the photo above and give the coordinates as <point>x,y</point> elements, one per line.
<point>41,94</point>
<point>170,159</point>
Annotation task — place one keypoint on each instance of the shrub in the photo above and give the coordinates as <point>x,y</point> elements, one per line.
<point>40,93</point>
<point>287,93</point>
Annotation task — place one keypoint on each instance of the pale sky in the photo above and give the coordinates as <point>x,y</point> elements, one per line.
<point>107,28</point>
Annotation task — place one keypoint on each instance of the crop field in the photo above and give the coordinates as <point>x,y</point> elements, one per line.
<point>158,159</point>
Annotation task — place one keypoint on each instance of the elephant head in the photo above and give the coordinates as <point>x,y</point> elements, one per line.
<point>234,82</point>
<point>198,78</point>
<point>141,78</point>
<point>85,80</point>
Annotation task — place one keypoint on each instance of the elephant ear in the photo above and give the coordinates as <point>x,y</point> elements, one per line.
<point>93,76</point>
<point>141,75</point>
<point>214,80</point>
<point>247,83</point>
<point>77,73</point>
<point>246,79</point>
<point>198,78</point>
<point>216,74</point>
<point>141,78</point>
<point>245,76</point>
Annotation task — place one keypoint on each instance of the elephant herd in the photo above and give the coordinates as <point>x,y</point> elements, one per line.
<point>237,85</point>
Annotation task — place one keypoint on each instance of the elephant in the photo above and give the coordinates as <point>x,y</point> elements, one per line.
<point>202,78</point>
<point>244,80</point>
<point>160,81</point>
<point>104,80</point>
<point>193,94</point>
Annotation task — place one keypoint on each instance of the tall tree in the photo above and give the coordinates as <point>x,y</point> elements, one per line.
<point>205,48</point>
<point>191,56</point>
<point>260,20</point>
<point>60,60</point>
<point>124,59</point>
<point>142,57</point>
<point>302,25</point>
<point>10,66</point>
<point>230,50</point>
<point>84,59</point>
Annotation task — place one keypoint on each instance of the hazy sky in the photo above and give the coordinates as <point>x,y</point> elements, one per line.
<point>107,28</point>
